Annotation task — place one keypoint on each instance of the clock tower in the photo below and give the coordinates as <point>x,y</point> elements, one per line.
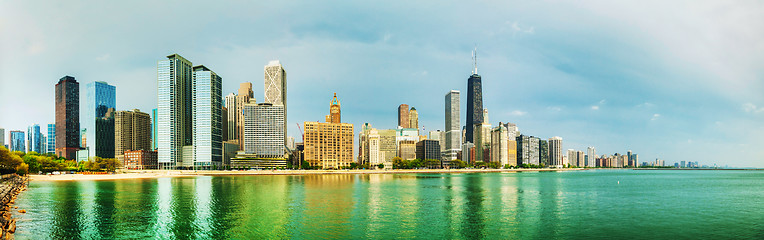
<point>334,110</point>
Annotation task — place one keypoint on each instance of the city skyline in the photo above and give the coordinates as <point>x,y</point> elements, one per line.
<point>593,84</point>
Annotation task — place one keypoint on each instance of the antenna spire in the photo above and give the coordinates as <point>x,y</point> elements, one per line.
<point>474,60</point>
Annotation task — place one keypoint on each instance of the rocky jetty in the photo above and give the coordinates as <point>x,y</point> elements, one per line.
<point>10,187</point>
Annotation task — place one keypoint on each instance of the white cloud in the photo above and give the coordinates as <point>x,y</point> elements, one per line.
<point>518,113</point>
<point>595,107</point>
<point>516,27</point>
<point>554,108</point>
<point>752,108</point>
<point>655,117</point>
<point>603,101</point>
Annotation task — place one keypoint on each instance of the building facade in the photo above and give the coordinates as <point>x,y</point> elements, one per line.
<point>67,102</point>
<point>591,158</point>
<point>245,95</point>
<point>527,150</point>
<point>500,145</point>
<point>474,106</point>
<point>264,130</point>
<point>174,110</point>
<point>34,139</point>
<point>429,150</point>
<point>100,97</point>
<point>555,152</point>
<point>413,118</point>
<point>207,119</point>
<point>403,116</point>
<point>276,89</point>
<point>140,159</point>
<point>329,145</point>
<point>452,130</point>
<point>131,132</point>
<point>17,141</point>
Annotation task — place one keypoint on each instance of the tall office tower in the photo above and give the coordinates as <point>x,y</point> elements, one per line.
<point>403,116</point>
<point>629,158</point>
<point>439,136</point>
<point>335,114</point>
<point>527,149</point>
<point>387,145</point>
<point>207,98</point>
<point>17,141</point>
<point>67,117</point>
<point>500,145</point>
<point>43,143</point>
<point>2,137</point>
<point>370,146</point>
<point>100,97</point>
<point>429,150</point>
<point>543,152</point>
<point>329,145</point>
<point>154,129</point>
<point>132,132</point>
<point>571,154</point>
<point>34,139</point>
<point>636,158</point>
<point>592,157</point>
<point>231,116</point>
<point>453,133</point>
<point>51,145</point>
<point>104,127</point>
<point>512,150</point>
<point>173,110</point>
<point>276,89</point>
<point>413,118</point>
<point>245,96</point>
<point>555,151</point>
<point>474,102</point>
<point>264,130</point>
<point>580,158</point>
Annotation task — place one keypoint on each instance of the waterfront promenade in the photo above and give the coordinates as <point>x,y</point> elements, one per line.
<point>134,174</point>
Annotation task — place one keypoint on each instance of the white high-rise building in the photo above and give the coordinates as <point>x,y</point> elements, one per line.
<point>375,155</point>
<point>452,143</point>
<point>512,130</point>
<point>276,88</point>
<point>173,110</point>
<point>571,155</point>
<point>555,152</point>
<point>499,145</point>
<point>264,130</point>
<point>591,159</point>
<point>206,96</point>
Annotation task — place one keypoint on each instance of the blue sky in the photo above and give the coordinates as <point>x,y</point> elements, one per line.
<point>678,80</point>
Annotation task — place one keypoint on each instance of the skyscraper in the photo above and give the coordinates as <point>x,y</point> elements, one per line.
<point>207,98</point>
<point>34,139</point>
<point>51,138</point>
<point>131,132</point>
<point>413,118</point>
<point>264,130</point>
<point>154,131</point>
<point>591,160</point>
<point>555,152</point>
<point>231,116</point>
<point>329,145</point>
<point>335,113</point>
<point>527,149</point>
<point>173,110</point>
<point>276,88</point>
<point>244,96</point>
<point>2,137</point>
<point>474,103</point>
<point>100,97</point>
<point>453,133</point>
<point>543,152</point>
<point>403,116</point>
<point>67,103</point>
<point>500,145</point>
<point>17,141</point>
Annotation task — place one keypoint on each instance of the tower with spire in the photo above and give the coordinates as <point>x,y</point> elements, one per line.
<point>474,101</point>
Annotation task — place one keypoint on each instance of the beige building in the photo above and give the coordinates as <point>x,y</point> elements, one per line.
<point>407,149</point>
<point>499,145</point>
<point>413,118</point>
<point>132,131</point>
<point>246,95</point>
<point>370,142</point>
<point>329,145</point>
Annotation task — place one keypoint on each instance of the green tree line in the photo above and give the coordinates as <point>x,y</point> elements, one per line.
<point>33,162</point>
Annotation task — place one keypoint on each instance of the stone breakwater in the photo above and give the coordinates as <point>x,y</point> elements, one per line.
<point>11,185</point>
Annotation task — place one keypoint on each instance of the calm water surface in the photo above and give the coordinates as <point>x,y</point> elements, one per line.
<point>601,204</point>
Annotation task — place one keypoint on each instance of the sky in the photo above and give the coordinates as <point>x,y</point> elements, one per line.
<point>675,80</point>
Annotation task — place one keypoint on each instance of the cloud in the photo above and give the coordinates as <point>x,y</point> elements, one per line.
<point>603,101</point>
<point>554,108</point>
<point>517,28</point>
<point>752,108</point>
<point>518,113</point>
<point>645,105</point>
<point>595,107</point>
<point>655,117</point>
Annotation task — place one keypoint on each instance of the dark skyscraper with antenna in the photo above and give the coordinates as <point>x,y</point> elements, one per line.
<point>474,101</point>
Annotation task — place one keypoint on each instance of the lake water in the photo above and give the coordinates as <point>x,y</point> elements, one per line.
<point>596,204</point>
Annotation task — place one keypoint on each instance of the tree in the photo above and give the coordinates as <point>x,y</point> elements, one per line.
<point>8,161</point>
<point>458,164</point>
<point>22,169</point>
<point>381,166</point>
<point>398,163</point>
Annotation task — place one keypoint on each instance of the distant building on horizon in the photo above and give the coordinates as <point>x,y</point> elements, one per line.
<point>2,137</point>
<point>413,119</point>
<point>429,150</point>
<point>34,139</point>
<point>591,160</point>
<point>17,141</point>
<point>51,139</point>
<point>474,105</point>
<point>264,130</point>
<point>403,116</point>
<point>527,150</point>
<point>555,152</point>
<point>67,102</point>
<point>500,145</point>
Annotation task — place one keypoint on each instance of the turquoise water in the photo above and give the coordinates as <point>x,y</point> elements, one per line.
<point>600,204</point>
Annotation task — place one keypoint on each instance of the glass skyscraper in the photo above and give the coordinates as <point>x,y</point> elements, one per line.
<point>173,110</point>
<point>51,138</point>
<point>34,139</point>
<point>452,133</point>
<point>207,98</point>
<point>100,128</point>
<point>17,141</point>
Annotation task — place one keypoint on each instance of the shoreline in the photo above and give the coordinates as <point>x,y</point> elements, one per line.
<point>148,174</point>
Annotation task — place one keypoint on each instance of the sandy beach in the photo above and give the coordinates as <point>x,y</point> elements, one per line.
<point>192,173</point>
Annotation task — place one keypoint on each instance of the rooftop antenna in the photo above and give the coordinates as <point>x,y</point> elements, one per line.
<point>474,60</point>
